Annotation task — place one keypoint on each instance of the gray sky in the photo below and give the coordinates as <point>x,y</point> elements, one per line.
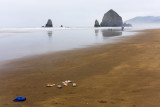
<point>73,13</point>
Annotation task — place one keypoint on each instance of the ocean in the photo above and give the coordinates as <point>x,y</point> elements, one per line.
<point>23,42</point>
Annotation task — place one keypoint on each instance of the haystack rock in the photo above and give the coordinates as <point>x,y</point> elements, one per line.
<point>111,19</point>
<point>96,24</point>
<point>49,23</point>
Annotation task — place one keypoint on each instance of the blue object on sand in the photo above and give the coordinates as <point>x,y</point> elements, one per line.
<point>19,99</point>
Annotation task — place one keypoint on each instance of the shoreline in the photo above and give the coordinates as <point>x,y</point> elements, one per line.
<point>29,30</point>
<point>124,73</point>
<point>109,41</point>
<point>113,40</point>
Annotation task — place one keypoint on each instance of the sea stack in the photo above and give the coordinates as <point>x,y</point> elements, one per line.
<point>49,23</point>
<point>96,24</point>
<point>111,19</point>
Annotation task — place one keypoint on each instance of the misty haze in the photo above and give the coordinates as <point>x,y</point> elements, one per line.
<point>79,53</point>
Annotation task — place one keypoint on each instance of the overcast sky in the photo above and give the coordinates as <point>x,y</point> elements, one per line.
<point>72,13</point>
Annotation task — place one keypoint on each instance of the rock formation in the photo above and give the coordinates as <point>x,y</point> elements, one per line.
<point>49,23</point>
<point>111,19</point>
<point>96,24</point>
<point>127,25</point>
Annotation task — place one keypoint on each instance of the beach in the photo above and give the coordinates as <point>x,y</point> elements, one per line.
<point>122,74</point>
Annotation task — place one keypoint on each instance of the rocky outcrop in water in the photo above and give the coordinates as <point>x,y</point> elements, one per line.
<point>127,25</point>
<point>49,23</point>
<point>111,19</point>
<point>96,24</point>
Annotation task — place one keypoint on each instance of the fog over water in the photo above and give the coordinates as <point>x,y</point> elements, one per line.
<point>17,41</point>
<point>72,13</point>
<point>17,44</point>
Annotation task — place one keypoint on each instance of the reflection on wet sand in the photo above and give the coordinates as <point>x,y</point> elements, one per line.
<point>96,32</point>
<point>40,42</point>
<point>111,32</point>
<point>50,34</point>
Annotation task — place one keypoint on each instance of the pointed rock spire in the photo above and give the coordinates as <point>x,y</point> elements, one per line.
<point>96,23</point>
<point>49,23</point>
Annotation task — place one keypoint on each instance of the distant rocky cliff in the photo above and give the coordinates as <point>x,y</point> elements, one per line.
<point>111,19</point>
<point>142,20</point>
<point>49,23</point>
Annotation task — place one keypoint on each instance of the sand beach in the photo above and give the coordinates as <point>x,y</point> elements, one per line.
<point>122,74</point>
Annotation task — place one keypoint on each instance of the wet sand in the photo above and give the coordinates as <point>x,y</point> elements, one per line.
<point>124,74</point>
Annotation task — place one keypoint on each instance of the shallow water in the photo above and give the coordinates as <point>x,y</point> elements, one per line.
<point>20,43</point>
